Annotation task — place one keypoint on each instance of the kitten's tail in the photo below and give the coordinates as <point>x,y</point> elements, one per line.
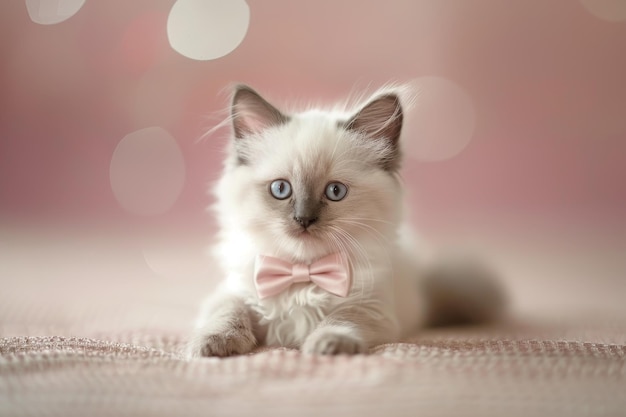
<point>461,290</point>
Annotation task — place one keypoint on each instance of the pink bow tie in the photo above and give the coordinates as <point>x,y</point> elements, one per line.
<point>273,276</point>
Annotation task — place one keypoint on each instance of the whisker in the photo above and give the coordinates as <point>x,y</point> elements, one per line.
<point>384,244</point>
<point>362,254</point>
<point>367,227</point>
<point>369,219</point>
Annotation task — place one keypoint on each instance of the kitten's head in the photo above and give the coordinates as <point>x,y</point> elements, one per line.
<point>303,185</point>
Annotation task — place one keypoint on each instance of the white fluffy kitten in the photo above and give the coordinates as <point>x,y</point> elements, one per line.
<point>335,190</point>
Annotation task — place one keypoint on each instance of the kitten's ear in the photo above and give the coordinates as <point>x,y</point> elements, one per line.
<point>251,113</point>
<point>381,119</point>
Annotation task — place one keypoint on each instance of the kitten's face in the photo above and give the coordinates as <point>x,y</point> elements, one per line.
<point>311,184</point>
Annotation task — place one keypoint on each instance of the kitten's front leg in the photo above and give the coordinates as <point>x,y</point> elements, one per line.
<point>350,331</point>
<point>224,328</point>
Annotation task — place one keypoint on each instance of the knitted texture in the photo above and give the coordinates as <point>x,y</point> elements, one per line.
<point>66,376</point>
<point>82,335</point>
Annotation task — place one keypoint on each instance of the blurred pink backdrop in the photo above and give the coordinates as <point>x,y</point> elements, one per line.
<point>519,137</point>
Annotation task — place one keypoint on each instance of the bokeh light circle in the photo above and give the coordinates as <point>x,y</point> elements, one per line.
<point>50,12</point>
<point>147,171</point>
<point>610,10</point>
<point>441,124</point>
<point>207,29</point>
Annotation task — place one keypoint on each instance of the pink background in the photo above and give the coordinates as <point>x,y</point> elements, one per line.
<point>540,186</point>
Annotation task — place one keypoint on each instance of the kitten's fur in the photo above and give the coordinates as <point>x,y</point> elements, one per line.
<point>391,294</point>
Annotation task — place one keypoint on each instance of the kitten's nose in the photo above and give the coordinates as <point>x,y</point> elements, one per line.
<point>305,221</point>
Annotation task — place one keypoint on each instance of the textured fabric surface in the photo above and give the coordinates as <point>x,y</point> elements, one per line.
<point>454,372</point>
<point>86,329</point>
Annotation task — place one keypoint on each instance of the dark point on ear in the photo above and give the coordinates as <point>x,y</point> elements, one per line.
<point>251,113</point>
<point>381,119</point>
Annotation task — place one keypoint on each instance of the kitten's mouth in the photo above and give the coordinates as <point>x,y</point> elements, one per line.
<point>302,233</point>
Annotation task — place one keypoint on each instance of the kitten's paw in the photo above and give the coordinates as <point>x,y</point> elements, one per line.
<point>334,341</point>
<point>233,341</point>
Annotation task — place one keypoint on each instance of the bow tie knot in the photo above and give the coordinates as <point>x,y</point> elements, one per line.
<point>273,275</point>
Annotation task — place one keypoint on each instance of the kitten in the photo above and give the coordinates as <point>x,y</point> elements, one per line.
<point>317,193</point>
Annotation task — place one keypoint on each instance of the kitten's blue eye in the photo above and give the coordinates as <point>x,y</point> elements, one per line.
<point>336,191</point>
<point>280,189</point>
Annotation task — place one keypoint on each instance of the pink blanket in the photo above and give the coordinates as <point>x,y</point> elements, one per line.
<point>90,331</point>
